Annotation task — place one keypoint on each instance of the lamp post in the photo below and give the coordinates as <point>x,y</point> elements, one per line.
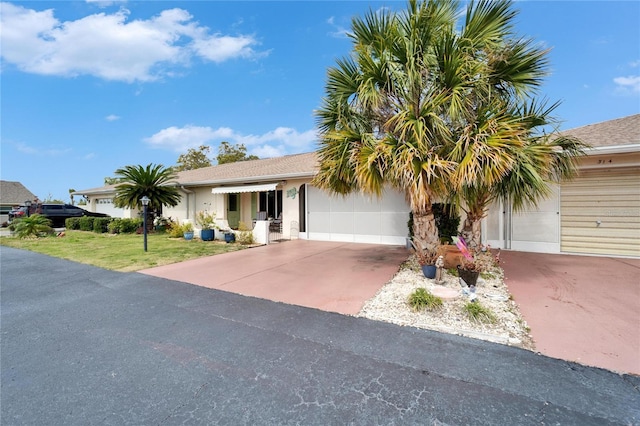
<point>28,206</point>
<point>145,202</point>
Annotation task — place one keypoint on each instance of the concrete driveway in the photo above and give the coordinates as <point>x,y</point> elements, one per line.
<point>579,308</point>
<point>331,276</point>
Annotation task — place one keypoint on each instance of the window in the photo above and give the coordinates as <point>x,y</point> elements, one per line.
<point>271,202</point>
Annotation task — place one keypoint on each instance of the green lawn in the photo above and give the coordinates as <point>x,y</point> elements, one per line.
<point>121,252</point>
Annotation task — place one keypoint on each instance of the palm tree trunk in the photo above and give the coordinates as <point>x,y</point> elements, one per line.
<point>472,230</point>
<point>425,231</point>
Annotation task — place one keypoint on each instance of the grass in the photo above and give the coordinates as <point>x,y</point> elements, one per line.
<point>121,252</point>
<point>421,299</point>
<point>476,312</point>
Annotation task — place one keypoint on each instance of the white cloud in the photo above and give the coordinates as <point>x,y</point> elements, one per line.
<point>41,152</point>
<point>105,3</point>
<point>629,84</point>
<point>112,117</point>
<point>634,64</point>
<point>112,47</point>
<point>281,141</point>
<point>338,30</point>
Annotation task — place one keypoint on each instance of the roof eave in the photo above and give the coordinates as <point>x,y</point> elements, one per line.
<point>614,149</point>
<point>266,178</point>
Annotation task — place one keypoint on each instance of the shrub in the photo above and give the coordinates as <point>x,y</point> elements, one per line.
<point>72,223</point>
<point>244,235</point>
<point>86,223</point>
<point>124,226</point>
<point>101,224</point>
<point>114,226</point>
<point>33,226</point>
<point>476,312</point>
<point>421,299</point>
<point>447,221</point>
<point>177,230</point>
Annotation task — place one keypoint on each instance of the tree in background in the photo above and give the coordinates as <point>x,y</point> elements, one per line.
<point>154,181</point>
<point>194,159</point>
<point>112,180</point>
<point>228,153</point>
<point>71,191</point>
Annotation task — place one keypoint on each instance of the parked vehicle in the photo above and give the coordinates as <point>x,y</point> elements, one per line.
<point>17,212</point>
<point>57,213</point>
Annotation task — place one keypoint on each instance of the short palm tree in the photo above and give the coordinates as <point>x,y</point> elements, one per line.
<point>539,161</point>
<point>32,226</point>
<point>153,181</point>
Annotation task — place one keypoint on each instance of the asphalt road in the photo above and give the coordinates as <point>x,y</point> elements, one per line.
<point>82,345</point>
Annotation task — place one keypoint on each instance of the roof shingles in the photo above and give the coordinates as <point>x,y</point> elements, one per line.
<point>621,131</point>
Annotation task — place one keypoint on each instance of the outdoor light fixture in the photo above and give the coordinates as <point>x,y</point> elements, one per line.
<point>145,202</point>
<point>28,206</point>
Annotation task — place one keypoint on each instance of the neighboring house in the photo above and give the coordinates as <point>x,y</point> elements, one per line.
<point>596,213</point>
<point>13,194</point>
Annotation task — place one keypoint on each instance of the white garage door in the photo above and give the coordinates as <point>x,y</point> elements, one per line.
<point>601,213</point>
<point>105,205</point>
<point>357,218</point>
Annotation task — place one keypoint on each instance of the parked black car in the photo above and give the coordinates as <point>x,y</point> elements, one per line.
<point>57,213</point>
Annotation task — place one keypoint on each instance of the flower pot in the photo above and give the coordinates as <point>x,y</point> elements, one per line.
<point>429,271</point>
<point>469,277</point>
<point>230,237</point>
<point>188,235</point>
<point>451,254</point>
<point>207,234</point>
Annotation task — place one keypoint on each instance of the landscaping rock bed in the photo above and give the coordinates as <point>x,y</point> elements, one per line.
<point>390,304</point>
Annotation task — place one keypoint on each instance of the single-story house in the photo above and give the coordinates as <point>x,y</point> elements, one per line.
<point>13,194</point>
<point>280,187</point>
<point>598,213</point>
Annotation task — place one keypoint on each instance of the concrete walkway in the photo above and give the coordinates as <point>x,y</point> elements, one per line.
<point>579,308</point>
<point>331,276</point>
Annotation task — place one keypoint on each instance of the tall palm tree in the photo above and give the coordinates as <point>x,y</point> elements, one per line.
<point>429,107</point>
<point>437,109</point>
<point>154,181</point>
<point>382,120</point>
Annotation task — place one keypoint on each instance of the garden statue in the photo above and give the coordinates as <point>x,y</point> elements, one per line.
<point>439,269</point>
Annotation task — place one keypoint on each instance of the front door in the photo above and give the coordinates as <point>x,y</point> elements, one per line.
<point>233,210</point>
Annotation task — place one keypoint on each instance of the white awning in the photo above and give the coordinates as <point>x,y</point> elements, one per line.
<point>244,188</point>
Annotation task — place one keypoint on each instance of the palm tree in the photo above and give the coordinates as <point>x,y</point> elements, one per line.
<point>429,107</point>
<point>382,120</point>
<point>154,181</point>
<point>33,226</point>
<point>541,160</point>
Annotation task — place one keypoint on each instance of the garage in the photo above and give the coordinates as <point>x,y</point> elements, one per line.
<point>601,213</point>
<point>356,217</point>
<point>106,206</point>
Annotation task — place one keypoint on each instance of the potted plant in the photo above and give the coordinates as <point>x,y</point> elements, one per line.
<point>471,264</point>
<point>207,222</point>
<point>427,260</point>
<point>187,231</point>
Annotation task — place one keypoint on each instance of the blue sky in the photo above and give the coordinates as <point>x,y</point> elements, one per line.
<point>88,87</point>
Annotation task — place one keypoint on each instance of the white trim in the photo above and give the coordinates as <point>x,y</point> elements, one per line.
<point>244,188</point>
<point>615,149</point>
